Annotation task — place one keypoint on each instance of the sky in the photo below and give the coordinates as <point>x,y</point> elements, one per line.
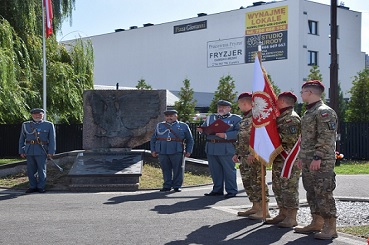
<point>95,17</point>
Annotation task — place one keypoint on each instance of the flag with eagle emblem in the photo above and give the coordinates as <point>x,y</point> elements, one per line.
<point>265,143</point>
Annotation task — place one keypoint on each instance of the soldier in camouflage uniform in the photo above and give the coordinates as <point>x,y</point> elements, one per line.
<point>317,158</point>
<point>250,169</point>
<point>286,190</point>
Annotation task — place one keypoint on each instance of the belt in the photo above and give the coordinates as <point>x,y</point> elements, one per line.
<point>35,142</point>
<point>220,141</point>
<point>170,139</point>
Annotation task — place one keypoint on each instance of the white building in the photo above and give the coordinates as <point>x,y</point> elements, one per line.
<point>295,35</point>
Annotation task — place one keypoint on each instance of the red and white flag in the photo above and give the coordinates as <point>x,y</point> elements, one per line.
<point>265,142</point>
<point>289,159</point>
<point>48,18</point>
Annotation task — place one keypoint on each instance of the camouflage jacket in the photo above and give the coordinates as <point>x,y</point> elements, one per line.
<point>243,136</point>
<point>289,128</point>
<point>318,132</point>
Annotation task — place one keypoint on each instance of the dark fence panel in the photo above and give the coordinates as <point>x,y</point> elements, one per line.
<point>68,138</point>
<point>9,138</point>
<point>354,142</point>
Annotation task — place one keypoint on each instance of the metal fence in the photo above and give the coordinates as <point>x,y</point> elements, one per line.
<point>354,142</point>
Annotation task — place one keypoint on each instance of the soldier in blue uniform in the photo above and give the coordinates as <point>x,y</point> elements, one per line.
<point>36,143</point>
<point>171,141</point>
<point>220,150</point>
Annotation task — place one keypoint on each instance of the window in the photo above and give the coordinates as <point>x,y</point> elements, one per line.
<point>312,58</point>
<point>313,27</point>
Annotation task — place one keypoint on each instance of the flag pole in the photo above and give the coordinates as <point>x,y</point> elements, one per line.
<point>263,197</point>
<point>44,59</point>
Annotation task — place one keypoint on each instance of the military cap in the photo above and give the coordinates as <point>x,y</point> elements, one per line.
<point>245,95</point>
<point>37,110</point>
<point>317,83</point>
<point>224,103</point>
<point>288,94</point>
<point>170,112</point>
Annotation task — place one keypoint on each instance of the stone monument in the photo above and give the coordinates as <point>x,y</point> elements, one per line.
<point>114,122</point>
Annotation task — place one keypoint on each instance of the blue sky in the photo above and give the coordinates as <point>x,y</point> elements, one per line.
<point>94,17</point>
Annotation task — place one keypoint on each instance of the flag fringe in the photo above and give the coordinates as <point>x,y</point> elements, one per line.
<point>272,156</point>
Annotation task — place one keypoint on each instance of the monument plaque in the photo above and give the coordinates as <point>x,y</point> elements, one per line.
<point>121,118</point>
<point>114,122</point>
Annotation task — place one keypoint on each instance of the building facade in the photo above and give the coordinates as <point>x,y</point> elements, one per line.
<point>295,35</point>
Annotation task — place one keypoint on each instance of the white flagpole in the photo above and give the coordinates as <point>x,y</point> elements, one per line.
<point>44,58</point>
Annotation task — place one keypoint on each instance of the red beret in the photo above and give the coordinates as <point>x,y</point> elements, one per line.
<point>314,83</point>
<point>244,95</point>
<point>288,94</point>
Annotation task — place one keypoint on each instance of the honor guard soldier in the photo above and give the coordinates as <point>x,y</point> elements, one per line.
<point>286,189</point>
<point>36,144</point>
<point>250,168</point>
<point>220,149</point>
<point>171,142</point>
<point>317,158</point>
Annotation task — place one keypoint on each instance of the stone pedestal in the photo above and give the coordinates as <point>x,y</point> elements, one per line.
<point>114,122</point>
<point>102,170</point>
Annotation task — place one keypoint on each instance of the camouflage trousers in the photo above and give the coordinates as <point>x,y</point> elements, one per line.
<point>251,179</point>
<point>286,191</point>
<point>319,186</point>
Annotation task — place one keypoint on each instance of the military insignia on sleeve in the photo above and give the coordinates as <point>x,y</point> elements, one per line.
<point>293,130</point>
<point>325,114</point>
<point>331,125</point>
<point>288,120</point>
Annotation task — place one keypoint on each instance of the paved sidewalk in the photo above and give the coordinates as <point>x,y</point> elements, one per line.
<point>151,217</point>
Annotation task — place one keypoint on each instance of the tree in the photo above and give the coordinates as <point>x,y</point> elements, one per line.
<point>186,104</point>
<point>276,89</point>
<point>225,91</point>
<point>342,104</point>
<point>358,105</point>
<point>141,84</point>
<point>316,75</point>
<point>69,70</point>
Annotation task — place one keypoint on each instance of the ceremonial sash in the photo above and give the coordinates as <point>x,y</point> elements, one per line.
<point>289,159</point>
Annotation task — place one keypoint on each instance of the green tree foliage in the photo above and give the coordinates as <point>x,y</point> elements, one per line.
<point>342,104</point>
<point>276,89</point>
<point>316,75</point>
<point>186,104</point>
<point>141,84</point>
<point>69,69</point>
<point>358,105</point>
<point>225,91</point>
<point>26,16</point>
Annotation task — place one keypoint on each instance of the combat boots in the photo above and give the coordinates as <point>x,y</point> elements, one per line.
<point>290,220</point>
<point>255,207</point>
<point>329,230</point>
<point>280,217</point>
<point>259,213</point>
<point>316,225</point>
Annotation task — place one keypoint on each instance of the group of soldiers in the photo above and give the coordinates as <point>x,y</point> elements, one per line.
<point>315,131</point>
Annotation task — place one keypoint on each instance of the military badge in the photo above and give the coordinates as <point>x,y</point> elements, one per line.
<point>288,120</point>
<point>325,114</point>
<point>293,130</point>
<point>332,125</point>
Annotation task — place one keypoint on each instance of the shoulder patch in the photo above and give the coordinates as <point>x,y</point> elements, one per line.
<point>332,125</point>
<point>293,130</point>
<point>324,114</point>
<point>288,120</point>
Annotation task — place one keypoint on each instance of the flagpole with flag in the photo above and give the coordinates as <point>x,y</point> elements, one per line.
<point>265,143</point>
<point>47,30</point>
